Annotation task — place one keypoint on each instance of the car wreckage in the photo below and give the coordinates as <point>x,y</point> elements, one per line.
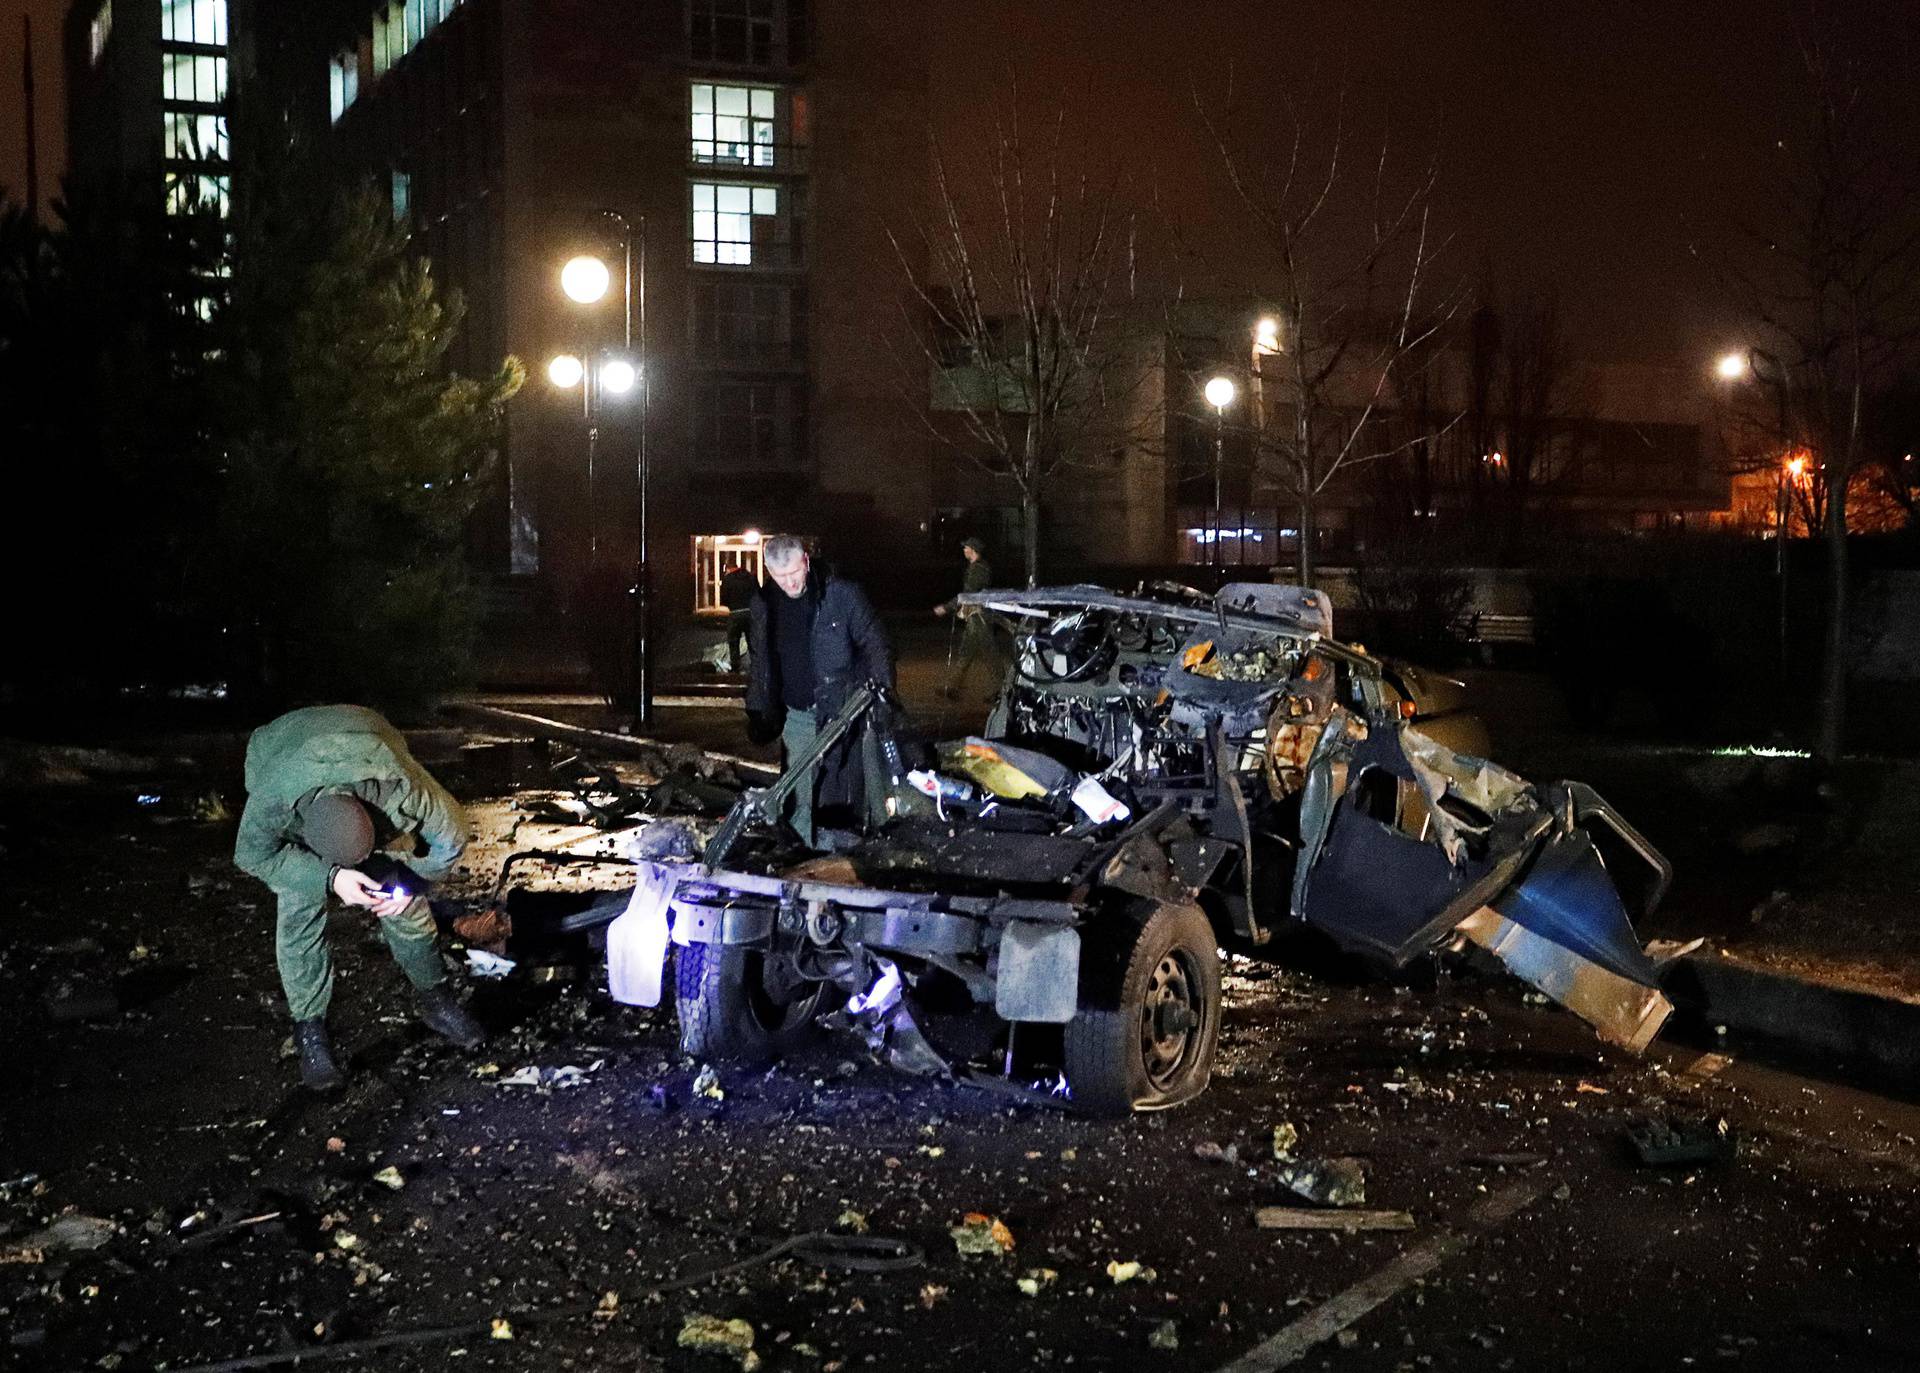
<point>1042,906</point>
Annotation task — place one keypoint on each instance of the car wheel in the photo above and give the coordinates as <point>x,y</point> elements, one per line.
<point>1149,1013</point>
<point>732,1008</point>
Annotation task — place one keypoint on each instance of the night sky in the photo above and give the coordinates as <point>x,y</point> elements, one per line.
<point>1583,144</point>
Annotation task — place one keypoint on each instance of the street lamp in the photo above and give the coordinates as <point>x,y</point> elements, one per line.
<point>617,376</point>
<point>1219,392</point>
<point>587,279</point>
<point>566,371</point>
<point>1732,366</point>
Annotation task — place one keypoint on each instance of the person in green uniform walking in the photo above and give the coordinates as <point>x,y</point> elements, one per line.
<point>976,635</point>
<point>326,786</point>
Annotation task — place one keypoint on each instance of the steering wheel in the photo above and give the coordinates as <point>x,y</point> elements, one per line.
<point>1072,648</point>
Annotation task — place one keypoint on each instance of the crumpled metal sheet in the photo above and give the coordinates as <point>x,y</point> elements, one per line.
<point>1440,772</point>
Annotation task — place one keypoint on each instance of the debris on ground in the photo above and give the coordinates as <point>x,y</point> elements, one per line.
<point>390,1178</point>
<point>481,963</point>
<point>1209,1152</point>
<point>1165,1335</point>
<point>851,1222</point>
<point>718,1335</point>
<point>501,1328</point>
<point>1660,1143</point>
<point>551,1079</point>
<point>1037,1280</point>
<point>981,1234</point>
<point>1306,1218</point>
<point>74,1001</point>
<point>1129,1271</point>
<point>1285,1140</point>
<point>706,1083</point>
<point>70,1234</point>
<point>489,928</point>
<point>1327,1182</point>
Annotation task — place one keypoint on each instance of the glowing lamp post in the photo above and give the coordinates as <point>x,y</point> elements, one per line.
<point>1219,392</point>
<point>587,280</point>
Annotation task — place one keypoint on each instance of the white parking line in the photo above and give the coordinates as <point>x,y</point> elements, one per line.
<point>1335,1314</point>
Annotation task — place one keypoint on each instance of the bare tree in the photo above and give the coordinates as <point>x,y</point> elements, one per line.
<point>1345,262</point>
<point>1021,317</point>
<point>1835,304</point>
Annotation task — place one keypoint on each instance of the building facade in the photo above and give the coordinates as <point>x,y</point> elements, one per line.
<point>734,162</point>
<point>149,92</point>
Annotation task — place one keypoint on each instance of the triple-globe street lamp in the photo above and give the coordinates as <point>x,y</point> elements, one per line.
<point>609,372</point>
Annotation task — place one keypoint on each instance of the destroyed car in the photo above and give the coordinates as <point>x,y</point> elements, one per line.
<point>1044,904</point>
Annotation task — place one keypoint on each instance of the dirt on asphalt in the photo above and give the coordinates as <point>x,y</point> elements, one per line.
<point>175,1118</point>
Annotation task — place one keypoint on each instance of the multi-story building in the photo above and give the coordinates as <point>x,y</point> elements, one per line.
<point>148,93</point>
<point>735,162</point>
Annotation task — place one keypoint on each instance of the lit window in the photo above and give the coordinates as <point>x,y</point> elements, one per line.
<point>193,78</point>
<point>723,218</point>
<point>382,44</point>
<point>343,82</point>
<point>401,39</point>
<point>402,194</point>
<point>734,124</point>
<point>411,17</point>
<point>191,193</point>
<point>194,137</point>
<point>99,31</point>
<point>194,21</point>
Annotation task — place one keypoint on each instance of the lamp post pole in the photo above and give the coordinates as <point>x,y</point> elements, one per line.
<point>1219,392</point>
<point>633,320</point>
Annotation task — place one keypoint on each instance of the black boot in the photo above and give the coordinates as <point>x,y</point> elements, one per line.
<point>318,1070</point>
<point>441,1012</point>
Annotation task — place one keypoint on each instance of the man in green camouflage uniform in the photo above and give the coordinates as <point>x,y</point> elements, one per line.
<point>325,786</point>
<point>976,635</point>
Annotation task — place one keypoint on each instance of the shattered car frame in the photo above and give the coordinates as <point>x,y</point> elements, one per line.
<point>1160,776</point>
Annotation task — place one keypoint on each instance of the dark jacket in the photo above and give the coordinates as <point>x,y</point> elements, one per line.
<point>738,588</point>
<point>849,648</point>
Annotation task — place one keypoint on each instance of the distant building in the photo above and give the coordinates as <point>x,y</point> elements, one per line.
<point>1616,447</point>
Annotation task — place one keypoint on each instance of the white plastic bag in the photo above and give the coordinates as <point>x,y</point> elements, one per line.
<point>637,939</point>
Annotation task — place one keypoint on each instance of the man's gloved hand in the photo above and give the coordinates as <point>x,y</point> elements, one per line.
<point>761,727</point>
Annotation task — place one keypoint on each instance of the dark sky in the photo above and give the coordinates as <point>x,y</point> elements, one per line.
<point>1582,143</point>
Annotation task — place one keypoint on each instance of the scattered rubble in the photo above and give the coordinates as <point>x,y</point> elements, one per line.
<point>720,1335</point>
<point>1130,1271</point>
<point>1306,1218</point>
<point>1327,1182</point>
<point>981,1234</point>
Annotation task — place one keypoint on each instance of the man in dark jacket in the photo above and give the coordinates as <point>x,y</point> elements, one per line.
<point>325,786</point>
<point>814,638</point>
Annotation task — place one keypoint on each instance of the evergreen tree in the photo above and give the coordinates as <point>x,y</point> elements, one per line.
<point>354,459</point>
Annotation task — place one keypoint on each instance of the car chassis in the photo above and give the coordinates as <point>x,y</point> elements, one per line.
<point>1268,778</point>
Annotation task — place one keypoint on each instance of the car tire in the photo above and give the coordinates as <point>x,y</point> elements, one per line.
<point>726,1011</point>
<point>1149,1015</point>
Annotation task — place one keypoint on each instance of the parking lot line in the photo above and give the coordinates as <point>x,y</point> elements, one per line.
<point>1338,1312</point>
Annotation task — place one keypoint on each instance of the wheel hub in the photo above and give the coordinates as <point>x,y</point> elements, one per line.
<point>1170,1018</point>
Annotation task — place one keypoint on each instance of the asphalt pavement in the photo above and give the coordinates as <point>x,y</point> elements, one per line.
<point>242,1216</point>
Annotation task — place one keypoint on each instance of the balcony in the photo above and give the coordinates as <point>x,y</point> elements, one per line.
<point>749,159</point>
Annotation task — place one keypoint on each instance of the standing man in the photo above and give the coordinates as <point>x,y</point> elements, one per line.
<point>325,787</point>
<point>737,592</point>
<point>814,638</point>
<point>976,636</point>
